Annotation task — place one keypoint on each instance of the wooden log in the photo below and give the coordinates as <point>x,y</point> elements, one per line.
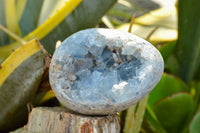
<point>62,120</point>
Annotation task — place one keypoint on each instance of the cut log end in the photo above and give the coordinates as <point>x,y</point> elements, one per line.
<point>62,120</point>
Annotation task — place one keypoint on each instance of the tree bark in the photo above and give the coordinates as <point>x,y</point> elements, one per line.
<point>62,120</point>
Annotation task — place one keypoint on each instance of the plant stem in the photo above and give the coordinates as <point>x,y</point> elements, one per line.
<point>131,23</point>
<point>134,119</point>
<point>151,33</point>
<point>13,35</point>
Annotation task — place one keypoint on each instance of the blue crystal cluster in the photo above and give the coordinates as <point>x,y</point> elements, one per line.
<point>103,71</point>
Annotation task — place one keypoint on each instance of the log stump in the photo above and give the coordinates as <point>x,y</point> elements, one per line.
<point>62,120</point>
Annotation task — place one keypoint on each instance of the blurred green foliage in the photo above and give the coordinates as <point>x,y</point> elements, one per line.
<point>174,104</point>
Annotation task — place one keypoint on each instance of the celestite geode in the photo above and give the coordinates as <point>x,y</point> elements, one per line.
<point>103,71</point>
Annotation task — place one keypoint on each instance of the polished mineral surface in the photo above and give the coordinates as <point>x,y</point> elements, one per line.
<point>102,71</point>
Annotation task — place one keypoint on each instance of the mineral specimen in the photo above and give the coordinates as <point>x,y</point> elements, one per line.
<point>103,71</point>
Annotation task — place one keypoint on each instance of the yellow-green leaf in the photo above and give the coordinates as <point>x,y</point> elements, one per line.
<point>47,7</point>
<point>6,50</point>
<point>20,76</point>
<point>87,15</point>
<point>161,35</point>
<point>44,96</point>
<point>135,116</point>
<point>52,22</point>
<point>11,16</point>
<point>164,18</point>
<point>20,5</point>
<point>4,39</point>
<point>41,31</point>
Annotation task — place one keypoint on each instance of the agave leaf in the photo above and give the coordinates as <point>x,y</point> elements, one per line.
<point>20,5</point>
<point>4,39</point>
<point>6,50</point>
<point>47,8</point>
<point>29,18</point>
<point>11,16</point>
<point>42,30</point>
<point>86,15</point>
<point>58,27</point>
<point>161,35</point>
<point>173,113</point>
<point>74,22</point>
<point>52,22</point>
<point>164,19</point>
<point>122,9</point>
<point>188,46</point>
<point>107,22</point>
<point>20,76</point>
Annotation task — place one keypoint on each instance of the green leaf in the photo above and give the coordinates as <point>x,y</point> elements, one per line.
<point>154,123</point>
<point>45,28</point>
<point>171,65</point>
<point>20,5</point>
<point>195,124</point>
<point>135,116</point>
<point>29,18</point>
<point>20,77</point>
<point>87,15</point>
<point>47,7</point>
<point>60,25</point>
<point>197,95</point>
<point>121,11</point>
<point>6,50</point>
<point>188,46</point>
<point>166,50</point>
<point>11,16</point>
<point>174,112</point>
<point>167,86</point>
<point>4,39</point>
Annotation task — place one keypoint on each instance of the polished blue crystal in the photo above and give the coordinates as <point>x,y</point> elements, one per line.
<point>103,71</point>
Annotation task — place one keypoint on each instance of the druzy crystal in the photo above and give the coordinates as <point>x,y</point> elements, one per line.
<point>102,71</point>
